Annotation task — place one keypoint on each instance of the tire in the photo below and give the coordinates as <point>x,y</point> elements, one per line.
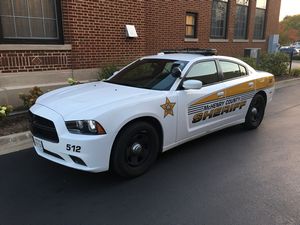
<point>135,149</point>
<point>255,113</point>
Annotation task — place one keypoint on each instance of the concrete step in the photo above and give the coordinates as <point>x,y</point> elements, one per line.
<point>13,84</point>
<point>10,95</point>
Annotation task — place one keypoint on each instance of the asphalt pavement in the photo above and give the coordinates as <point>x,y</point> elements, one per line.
<point>231,177</point>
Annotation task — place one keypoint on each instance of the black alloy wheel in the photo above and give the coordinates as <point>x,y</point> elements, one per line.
<point>255,112</point>
<point>135,149</point>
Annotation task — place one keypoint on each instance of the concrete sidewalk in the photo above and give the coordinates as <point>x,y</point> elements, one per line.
<point>20,141</point>
<point>296,64</point>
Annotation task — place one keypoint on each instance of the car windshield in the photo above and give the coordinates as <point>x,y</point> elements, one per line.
<point>155,74</point>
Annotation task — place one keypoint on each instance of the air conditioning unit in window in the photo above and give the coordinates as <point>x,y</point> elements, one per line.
<point>252,52</point>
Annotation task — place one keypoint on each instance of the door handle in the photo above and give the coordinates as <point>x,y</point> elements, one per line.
<point>251,84</point>
<point>220,94</point>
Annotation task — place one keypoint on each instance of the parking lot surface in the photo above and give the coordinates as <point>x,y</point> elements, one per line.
<point>229,177</point>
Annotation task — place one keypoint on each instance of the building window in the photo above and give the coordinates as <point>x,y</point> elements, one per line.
<point>260,15</point>
<point>191,25</point>
<point>241,19</point>
<point>30,21</point>
<point>219,19</point>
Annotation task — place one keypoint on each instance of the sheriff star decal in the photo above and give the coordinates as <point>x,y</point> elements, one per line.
<point>168,107</point>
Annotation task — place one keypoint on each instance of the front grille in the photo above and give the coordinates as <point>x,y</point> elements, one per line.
<point>43,128</point>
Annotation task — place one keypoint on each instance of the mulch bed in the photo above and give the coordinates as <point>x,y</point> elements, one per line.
<point>14,124</point>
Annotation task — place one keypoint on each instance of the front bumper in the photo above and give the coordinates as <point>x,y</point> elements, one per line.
<point>94,153</point>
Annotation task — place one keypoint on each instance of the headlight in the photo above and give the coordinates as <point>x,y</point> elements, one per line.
<point>85,127</point>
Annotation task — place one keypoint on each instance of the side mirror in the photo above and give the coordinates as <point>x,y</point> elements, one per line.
<point>176,72</point>
<point>192,84</point>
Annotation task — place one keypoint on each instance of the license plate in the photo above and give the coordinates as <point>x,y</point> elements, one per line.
<point>38,144</point>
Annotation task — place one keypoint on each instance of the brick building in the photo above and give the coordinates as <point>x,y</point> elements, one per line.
<point>43,42</point>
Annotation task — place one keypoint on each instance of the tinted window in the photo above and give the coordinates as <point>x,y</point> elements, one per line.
<point>155,74</point>
<point>231,70</point>
<point>243,70</point>
<point>205,72</point>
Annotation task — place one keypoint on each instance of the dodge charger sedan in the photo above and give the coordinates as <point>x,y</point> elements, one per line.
<point>150,106</point>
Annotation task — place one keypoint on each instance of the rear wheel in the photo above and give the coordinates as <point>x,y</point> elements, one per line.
<point>135,150</point>
<point>255,112</point>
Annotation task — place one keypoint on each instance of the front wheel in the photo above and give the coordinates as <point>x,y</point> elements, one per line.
<point>255,113</point>
<point>135,150</point>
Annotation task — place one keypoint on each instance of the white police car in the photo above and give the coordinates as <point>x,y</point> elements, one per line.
<point>150,106</point>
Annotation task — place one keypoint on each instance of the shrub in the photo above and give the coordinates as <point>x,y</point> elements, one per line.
<point>295,72</point>
<point>71,81</point>
<point>107,71</point>
<point>5,110</point>
<point>275,63</point>
<point>250,61</point>
<point>29,99</point>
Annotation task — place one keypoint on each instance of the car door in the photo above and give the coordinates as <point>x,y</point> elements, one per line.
<point>199,110</point>
<point>239,90</point>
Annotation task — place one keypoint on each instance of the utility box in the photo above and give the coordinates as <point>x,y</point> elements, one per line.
<point>273,43</point>
<point>252,52</point>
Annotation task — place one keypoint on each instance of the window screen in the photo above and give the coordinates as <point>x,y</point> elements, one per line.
<point>30,20</point>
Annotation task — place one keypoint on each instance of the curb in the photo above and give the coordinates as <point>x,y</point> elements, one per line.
<point>17,142</point>
<point>287,83</point>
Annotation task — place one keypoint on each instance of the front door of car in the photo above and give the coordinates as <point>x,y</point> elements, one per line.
<point>200,110</point>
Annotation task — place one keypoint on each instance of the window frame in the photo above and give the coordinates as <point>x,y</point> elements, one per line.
<point>231,61</point>
<point>226,17</point>
<point>247,21</point>
<point>264,23</point>
<point>60,39</point>
<point>180,87</point>
<point>195,15</point>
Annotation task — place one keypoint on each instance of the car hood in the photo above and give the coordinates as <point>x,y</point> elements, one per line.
<point>87,98</point>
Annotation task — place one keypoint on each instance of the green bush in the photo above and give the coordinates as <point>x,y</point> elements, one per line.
<point>29,99</point>
<point>107,71</point>
<point>5,110</point>
<point>250,61</point>
<point>295,72</point>
<point>275,63</point>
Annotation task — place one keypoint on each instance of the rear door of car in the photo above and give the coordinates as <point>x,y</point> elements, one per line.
<point>239,89</point>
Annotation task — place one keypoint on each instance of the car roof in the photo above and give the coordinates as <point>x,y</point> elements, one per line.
<point>176,56</point>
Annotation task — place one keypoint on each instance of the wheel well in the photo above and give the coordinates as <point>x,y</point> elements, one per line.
<point>262,93</point>
<point>151,120</point>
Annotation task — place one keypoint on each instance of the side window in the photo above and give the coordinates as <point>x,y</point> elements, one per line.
<point>204,71</point>
<point>243,70</point>
<point>232,70</point>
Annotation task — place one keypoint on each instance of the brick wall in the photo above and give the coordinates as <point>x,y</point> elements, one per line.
<point>29,61</point>
<point>96,31</point>
<point>165,26</point>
